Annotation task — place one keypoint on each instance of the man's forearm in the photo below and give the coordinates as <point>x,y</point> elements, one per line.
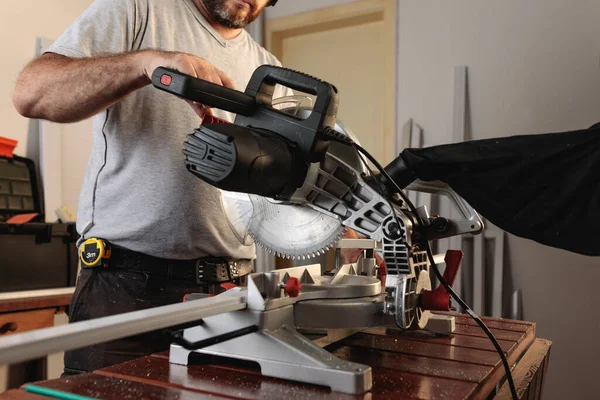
<point>63,89</point>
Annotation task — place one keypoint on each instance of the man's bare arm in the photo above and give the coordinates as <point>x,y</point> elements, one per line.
<point>64,89</point>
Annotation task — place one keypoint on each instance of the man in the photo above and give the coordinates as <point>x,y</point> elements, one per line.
<point>160,219</point>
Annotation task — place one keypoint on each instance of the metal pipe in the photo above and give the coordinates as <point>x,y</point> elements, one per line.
<point>39,343</point>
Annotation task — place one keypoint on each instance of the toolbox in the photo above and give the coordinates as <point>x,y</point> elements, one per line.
<point>33,255</point>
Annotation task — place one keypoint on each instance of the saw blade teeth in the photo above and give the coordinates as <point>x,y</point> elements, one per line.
<point>271,224</point>
<point>268,249</point>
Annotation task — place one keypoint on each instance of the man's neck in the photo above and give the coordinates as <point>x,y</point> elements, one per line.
<point>225,32</point>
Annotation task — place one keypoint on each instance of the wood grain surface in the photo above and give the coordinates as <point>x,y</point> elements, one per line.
<point>405,365</point>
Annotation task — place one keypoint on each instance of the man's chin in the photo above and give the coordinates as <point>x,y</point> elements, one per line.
<point>236,15</point>
<point>232,14</point>
<point>240,16</point>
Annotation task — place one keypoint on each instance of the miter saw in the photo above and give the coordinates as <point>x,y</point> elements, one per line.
<point>305,184</point>
<point>292,181</point>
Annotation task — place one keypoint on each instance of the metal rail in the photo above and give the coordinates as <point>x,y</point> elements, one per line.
<point>39,343</point>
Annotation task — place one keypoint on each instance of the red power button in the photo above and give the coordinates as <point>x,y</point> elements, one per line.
<point>166,80</point>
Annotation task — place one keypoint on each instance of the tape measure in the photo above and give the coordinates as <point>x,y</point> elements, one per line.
<point>94,252</point>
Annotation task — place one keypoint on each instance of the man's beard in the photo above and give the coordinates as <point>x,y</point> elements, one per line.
<point>227,17</point>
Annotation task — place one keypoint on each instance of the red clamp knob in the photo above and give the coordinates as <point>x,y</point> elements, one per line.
<point>293,287</point>
<point>438,299</point>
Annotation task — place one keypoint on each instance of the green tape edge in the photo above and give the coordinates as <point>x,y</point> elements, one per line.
<point>57,394</point>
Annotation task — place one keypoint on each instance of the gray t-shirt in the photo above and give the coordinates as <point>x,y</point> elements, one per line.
<point>137,192</point>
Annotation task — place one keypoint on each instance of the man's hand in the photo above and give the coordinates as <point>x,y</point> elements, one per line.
<point>187,64</point>
<point>350,256</point>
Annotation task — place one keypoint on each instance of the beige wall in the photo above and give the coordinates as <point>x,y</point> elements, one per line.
<point>291,7</point>
<point>21,21</point>
<point>534,66</point>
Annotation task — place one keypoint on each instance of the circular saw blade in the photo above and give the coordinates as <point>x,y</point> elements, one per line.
<point>292,231</point>
<point>238,209</point>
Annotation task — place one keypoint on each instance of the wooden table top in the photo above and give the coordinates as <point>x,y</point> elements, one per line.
<point>406,365</point>
<point>35,299</point>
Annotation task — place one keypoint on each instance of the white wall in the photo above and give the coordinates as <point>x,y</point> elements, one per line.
<point>21,21</point>
<point>534,67</point>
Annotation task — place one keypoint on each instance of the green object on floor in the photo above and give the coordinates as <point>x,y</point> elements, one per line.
<point>57,394</point>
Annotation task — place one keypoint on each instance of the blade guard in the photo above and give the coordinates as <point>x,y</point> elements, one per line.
<point>469,222</point>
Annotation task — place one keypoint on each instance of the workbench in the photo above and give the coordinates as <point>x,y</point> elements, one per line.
<point>26,311</point>
<point>406,365</point>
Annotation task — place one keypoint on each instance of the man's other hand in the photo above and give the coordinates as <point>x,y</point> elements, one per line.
<point>350,256</point>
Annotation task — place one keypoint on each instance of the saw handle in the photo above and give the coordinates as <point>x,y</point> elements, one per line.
<point>304,133</point>
<point>266,77</point>
<point>203,92</point>
<point>270,74</point>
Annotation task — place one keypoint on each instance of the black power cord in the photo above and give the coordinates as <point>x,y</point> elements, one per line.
<point>337,136</point>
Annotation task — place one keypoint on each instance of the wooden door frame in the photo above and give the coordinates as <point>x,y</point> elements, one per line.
<point>341,16</point>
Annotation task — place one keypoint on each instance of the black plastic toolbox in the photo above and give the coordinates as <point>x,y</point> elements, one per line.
<point>33,255</point>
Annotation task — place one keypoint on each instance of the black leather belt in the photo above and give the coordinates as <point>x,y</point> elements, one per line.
<point>208,270</point>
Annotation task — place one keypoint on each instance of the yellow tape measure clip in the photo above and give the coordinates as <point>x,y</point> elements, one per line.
<point>93,252</point>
